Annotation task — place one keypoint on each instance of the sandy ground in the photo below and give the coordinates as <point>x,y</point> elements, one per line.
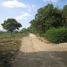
<point>37,53</point>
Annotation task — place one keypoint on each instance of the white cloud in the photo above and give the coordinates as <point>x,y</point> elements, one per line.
<point>13,4</point>
<point>23,16</point>
<point>24,19</point>
<point>51,1</point>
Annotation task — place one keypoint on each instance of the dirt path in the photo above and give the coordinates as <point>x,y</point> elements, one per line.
<point>36,53</point>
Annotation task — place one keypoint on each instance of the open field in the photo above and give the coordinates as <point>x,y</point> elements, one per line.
<point>8,35</point>
<point>9,46</point>
<point>20,50</point>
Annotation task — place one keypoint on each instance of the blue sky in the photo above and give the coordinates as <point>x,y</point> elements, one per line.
<point>24,10</point>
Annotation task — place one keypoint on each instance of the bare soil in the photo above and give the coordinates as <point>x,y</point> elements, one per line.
<point>35,52</point>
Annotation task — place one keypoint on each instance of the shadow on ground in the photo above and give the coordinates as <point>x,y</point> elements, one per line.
<point>41,59</point>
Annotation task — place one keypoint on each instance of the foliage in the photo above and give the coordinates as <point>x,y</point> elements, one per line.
<point>50,17</point>
<point>64,14</point>
<point>24,32</point>
<point>57,35</point>
<point>47,17</point>
<point>65,11</point>
<point>11,25</point>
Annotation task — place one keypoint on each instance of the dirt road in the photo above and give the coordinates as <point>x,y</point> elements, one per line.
<point>37,53</point>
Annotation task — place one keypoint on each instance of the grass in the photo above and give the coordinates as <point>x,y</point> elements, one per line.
<point>9,46</point>
<point>7,52</point>
<point>7,35</point>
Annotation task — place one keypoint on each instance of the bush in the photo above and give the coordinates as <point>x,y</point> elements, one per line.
<point>57,35</point>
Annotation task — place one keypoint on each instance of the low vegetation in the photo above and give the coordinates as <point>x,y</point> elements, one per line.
<point>8,50</point>
<point>9,46</point>
<point>57,35</point>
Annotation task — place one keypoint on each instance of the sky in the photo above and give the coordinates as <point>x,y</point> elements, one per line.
<point>24,10</point>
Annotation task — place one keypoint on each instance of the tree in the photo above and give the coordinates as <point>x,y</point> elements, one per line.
<point>65,11</point>
<point>11,25</point>
<point>47,17</point>
<point>64,14</point>
<point>24,30</point>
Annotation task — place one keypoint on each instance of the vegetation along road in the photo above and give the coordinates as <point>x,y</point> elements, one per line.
<point>37,53</point>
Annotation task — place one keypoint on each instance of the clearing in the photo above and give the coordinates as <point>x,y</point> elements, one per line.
<point>37,53</point>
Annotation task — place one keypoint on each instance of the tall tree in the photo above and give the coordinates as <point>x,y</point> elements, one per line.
<point>47,17</point>
<point>64,14</point>
<point>11,25</point>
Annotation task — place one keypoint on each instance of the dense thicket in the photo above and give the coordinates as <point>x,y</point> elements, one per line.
<point>49,17</point>
<point>57,35</point>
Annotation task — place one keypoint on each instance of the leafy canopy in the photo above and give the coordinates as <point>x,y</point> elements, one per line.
<point>11,25</point>
<point>48,17</point>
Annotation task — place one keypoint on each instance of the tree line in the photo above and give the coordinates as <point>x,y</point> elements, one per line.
<point>48,21</point>
<point>48,17</point>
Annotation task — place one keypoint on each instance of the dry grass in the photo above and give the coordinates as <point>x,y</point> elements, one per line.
<point>8,50</point>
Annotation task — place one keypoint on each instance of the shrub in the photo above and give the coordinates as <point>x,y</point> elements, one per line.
<point>58,35</point>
